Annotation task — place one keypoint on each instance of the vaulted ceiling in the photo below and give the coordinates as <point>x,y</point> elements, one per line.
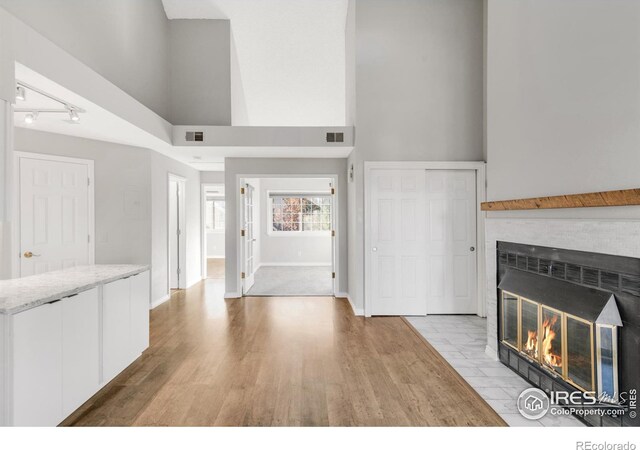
<point>287,58</point>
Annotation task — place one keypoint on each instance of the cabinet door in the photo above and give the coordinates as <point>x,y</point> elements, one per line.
<point>116,328</point>
<point>80,349</point>
<point>139,313</point>
<point>37,366</point>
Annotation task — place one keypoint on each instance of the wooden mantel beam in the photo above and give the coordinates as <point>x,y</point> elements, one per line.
<point>625,197</point>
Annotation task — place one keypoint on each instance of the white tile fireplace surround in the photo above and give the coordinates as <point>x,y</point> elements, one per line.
<point>613,237</point>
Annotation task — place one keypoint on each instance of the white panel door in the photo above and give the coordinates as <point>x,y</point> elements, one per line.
<point>451,241</point>
<point>116,328</point>
<point>80,349</point>
<point>37,366</point>
<point>250,239</point>
<point>54,215</point>
<point>398,263</point>
<point>139,313</point>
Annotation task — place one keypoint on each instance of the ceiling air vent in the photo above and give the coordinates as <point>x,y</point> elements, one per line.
<point>194,136</point>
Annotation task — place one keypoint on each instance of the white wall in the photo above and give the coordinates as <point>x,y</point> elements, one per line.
<point>200,77</point>
<point>125,41</point>
<point>122,192</point>
<point>419,95</point>
<point>282,166</point>
<point>563,101</point>
<point>212,177</point>
<point>161,167</point>
<point>291,250</point>
<point>6,154</point>
<point>215,244</point>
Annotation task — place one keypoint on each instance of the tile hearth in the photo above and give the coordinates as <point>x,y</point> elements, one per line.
<point>461,340</point>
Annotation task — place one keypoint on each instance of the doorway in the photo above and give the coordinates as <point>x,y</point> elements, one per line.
<point>56,212</point>
<point>213,231</point>
<point>287,236</point>
<point>423,238</point>
<point>176,254</point>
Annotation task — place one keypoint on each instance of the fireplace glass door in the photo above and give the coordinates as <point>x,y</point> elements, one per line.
<point>580,353</point>
<point>510,319</point>
<point>551,339</point>
<point>529,328</point>
<point>607,363</point>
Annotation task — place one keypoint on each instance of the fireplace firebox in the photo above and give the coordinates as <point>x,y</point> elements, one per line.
<point>565,320</point>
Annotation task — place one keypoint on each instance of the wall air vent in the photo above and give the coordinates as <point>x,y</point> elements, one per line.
<point>335,137</point>
<point>194,136</point>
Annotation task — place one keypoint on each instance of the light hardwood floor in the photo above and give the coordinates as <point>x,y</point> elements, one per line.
<point>215,268</point>
<point>282,361</point>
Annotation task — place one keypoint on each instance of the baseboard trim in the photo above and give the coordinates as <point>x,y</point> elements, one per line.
<point>491,353</point>
<point>215,256</point>
<point>356,311</point>
<point>274,264</point>
<point>232,295</point>
<point>160,301</point>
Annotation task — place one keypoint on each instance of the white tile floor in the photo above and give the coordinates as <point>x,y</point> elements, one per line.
<point>461,340</point>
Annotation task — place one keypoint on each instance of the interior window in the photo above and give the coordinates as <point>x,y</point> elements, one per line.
<point>215,214</point>
<point>300,213</point>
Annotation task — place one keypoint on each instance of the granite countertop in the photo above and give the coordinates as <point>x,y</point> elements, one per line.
<point>20,294</point>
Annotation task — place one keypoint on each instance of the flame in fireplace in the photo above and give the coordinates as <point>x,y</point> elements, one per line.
<point>549,355</point>
<point>531,347</point>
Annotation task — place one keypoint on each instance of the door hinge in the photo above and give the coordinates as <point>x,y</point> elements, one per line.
<point>333,233</point>
<point>179,271</point>
<point>333,275</point>
<point>88,238</point>
<point>242,233</point>
<point>241,191</point>
<point>333,191</point>
<point>179,232</point>
<point>88,181</point>
<point>242,275</point>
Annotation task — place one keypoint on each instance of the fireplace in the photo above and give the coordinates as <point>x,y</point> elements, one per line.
<point>565,320</point>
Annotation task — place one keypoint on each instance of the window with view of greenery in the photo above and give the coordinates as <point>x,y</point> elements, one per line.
<point>215,214</point>
<point>300,213</point>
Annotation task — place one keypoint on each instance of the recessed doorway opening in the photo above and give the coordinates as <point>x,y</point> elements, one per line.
<point>213,231</point>
<point>176,237</point>
<point>287,236</point>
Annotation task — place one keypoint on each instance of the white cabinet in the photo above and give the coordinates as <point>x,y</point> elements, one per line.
<point>116,328</point>
<point>80,349</point>
<point>37,366</point>
<point>125,319</point>
<point>139,313</point>
<point>55,351</point>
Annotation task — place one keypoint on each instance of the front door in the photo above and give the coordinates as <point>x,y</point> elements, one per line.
<point>398,260</point>
<point>249,238</point>
<point>54,215</point>
<point>451,242</point>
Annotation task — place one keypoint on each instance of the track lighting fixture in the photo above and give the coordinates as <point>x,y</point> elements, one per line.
<point>31,114</point>
<point>30,118</point>
<point>21,93</point>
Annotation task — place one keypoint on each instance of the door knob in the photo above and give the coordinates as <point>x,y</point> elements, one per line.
<point>374,249</point>
<point>473,249</point>
<point>29,254</point>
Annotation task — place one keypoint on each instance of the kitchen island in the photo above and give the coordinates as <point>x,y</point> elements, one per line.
<point>65,334</point>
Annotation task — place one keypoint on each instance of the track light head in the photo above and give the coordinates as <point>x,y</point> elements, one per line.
<point>30,118</point>
<point>73,115</point>
<point>21,93</point>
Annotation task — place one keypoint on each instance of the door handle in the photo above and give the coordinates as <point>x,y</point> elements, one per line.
<point>473,249</point>
<point>29,254</point>
<point>374,249</point>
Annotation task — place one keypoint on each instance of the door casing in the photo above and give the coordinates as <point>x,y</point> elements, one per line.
<point>479,167</point>
<point>182,238</point>
<point>240,220</point>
